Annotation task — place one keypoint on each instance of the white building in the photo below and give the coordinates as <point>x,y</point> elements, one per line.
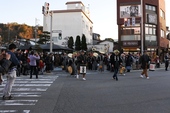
<point>73,21</point>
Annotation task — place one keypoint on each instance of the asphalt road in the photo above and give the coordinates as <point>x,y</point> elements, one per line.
<point>100,94</point>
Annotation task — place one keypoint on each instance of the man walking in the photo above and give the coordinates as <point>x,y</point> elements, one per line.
<point>166,61</point>
<point>144,61</point>
<point>81,61</point>
<point>115,63</point>
<point>11,74</point>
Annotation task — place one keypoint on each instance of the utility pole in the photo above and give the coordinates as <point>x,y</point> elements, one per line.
<point>36,28</point>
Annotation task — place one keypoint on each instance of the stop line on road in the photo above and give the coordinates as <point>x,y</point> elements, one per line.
<point>26,92</point>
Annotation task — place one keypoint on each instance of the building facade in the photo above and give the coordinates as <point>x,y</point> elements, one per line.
<point>133,34</point>
<point>73,21</point>
<point>104,46</point>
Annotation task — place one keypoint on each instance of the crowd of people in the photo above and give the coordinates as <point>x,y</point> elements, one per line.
<point>116,62</point>
<point>76,63</point>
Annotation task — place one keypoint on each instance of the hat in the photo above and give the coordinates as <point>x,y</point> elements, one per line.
<point>95,54</point>
<point>70,55</point>
<point>70,70</point>
<point>116,51</point>
<point>102,52</point>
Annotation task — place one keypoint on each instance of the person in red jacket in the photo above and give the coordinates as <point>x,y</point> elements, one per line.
<point>41,66</point>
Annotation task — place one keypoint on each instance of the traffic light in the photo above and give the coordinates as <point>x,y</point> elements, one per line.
<point>60,36</point>
<point>47,8</point>
<point>43,10</point>
<point>125,22</point>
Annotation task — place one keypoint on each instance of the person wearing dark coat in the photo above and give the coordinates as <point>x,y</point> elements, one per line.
<point>116,62</point>
<point>81,60</point>
<point>8,66</point>
<point>166,61</point>
<point>144,61</point>
<point>128,62</point>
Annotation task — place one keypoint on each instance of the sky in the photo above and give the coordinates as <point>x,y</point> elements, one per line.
<point>102,13</point>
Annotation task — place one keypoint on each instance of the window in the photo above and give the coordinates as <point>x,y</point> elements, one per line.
<point>150,7</point>
<point>162,33</point>
<point>147,7</point>
<point>162,14</point>
<point>150,38</point>
<point>91,30</point>
<point>130,37</point>
<point>154,8</point>
<point>150,29</point>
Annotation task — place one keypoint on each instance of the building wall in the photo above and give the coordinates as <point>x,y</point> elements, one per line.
<point>104,46</point>
<point>164,42</point>
<point>70,22</point>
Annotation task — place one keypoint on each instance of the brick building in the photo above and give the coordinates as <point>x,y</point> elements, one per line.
<point>129,14</point>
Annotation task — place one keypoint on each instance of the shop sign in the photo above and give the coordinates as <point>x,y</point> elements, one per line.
<point>134,43</point>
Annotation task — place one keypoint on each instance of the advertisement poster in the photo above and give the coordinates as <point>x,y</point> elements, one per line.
<point>130,11</point>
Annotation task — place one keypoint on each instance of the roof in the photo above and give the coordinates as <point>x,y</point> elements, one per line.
<point>74,2</point>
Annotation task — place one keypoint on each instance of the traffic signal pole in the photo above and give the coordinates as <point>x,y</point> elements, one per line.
<point>51,44</point>
<point>46,12</point>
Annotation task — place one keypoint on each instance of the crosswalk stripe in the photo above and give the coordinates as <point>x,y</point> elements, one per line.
<point>14,111</point>
<point>42,79</point>
<point>26,89</point>
<point>18,102</point>
<point>29,85</point>
<point>29,94</point>
<point>24,82</point>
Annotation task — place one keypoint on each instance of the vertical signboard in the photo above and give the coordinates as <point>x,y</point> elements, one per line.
<point>133,21</point>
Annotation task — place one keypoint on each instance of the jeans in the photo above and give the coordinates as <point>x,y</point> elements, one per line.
<point>11,76</point>
<point>115,73</point>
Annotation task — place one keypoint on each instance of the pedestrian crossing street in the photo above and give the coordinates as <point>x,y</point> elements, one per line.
<point>26,92</point>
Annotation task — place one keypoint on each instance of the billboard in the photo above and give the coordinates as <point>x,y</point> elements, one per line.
<point>152,19</point>
<point>130,11</point>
